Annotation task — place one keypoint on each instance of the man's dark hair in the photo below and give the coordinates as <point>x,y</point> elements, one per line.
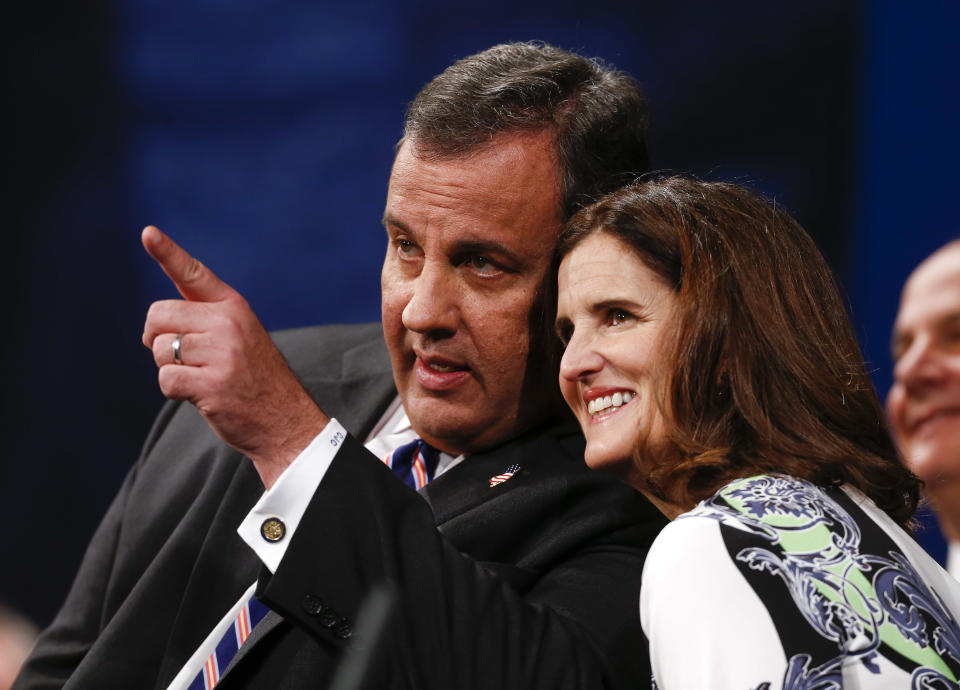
<point>598,115</point>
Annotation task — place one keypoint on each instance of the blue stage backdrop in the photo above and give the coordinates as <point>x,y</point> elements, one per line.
<point>908,175</point>
<point>260,136</point>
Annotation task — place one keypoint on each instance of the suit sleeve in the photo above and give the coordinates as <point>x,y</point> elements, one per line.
<point>455,624</point>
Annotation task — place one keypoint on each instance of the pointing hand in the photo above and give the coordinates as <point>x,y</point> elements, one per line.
<point>228,366</point>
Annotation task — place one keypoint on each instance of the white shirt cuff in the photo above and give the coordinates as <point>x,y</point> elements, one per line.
<point>268,528</point>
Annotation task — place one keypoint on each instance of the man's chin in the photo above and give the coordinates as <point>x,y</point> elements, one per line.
<point>934,462</point>
<point>942,482</point>
<point>454,428</point>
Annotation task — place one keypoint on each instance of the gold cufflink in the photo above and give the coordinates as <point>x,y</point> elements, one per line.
<point>273,529</point>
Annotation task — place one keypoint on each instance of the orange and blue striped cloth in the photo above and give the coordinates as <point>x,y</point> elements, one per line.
<point>251,614</point>
<point>414,463</point>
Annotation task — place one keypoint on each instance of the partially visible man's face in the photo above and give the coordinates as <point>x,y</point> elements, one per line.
<point>924,402</point>
<point>469,243</point>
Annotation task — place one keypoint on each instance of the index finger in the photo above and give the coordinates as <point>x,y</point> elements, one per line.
<point>193,280</point>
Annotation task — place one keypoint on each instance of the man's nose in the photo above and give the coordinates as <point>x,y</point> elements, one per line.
<point>581,358</point>
<point>433,306</point>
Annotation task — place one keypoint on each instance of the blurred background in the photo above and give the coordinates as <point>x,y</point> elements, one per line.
<point>260,136</point>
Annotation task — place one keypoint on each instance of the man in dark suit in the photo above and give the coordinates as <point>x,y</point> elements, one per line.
<point>520,570</point>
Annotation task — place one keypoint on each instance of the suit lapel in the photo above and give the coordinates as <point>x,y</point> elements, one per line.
<point>224,568</point>
<point>511,528</point>
<point>467,485</point>
<point>270,622</point>
<point>357,395</point>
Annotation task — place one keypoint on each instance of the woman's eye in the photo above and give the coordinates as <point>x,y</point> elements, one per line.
<point>619,316</point>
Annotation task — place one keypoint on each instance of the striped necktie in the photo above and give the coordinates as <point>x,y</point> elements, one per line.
<point>414,462</point>
<point>228,646</point>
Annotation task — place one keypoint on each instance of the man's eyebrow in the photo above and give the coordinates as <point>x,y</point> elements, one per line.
<point>390,220</point>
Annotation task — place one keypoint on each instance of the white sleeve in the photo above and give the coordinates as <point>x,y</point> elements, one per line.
<point>287,499</point>
<point>706,626</point>
<point>953,559</point>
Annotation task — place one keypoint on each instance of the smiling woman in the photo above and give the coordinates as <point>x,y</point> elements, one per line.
<point>711,364</point>
<point>611,316</point>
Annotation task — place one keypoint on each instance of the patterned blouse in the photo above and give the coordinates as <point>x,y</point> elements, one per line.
<point>777,583</point>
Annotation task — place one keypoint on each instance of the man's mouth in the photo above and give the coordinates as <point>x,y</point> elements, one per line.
<point>442,368</point>
<point>927,419</point>
<point>439,363</point>
<point>605,404</point>
<point>440,373</point>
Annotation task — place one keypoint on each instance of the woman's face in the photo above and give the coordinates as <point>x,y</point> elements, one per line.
<point>612,312</point>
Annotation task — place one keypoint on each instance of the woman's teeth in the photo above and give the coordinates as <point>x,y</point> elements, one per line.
<point>616,400</point>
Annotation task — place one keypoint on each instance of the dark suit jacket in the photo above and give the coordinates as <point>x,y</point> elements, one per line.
<point>533,583</point>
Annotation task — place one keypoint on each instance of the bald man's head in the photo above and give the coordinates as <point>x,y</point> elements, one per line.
<point>924,402</point>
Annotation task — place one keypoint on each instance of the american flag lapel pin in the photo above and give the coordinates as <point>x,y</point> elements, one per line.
<point>504,476</point>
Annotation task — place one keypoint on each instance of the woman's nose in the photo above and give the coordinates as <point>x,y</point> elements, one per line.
<point>581,357</point>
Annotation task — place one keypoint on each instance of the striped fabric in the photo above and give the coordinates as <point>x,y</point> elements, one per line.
<point>251,614</point>
<point>414,463</point>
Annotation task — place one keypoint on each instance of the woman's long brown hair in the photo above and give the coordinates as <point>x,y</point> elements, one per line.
<point>764,373</point>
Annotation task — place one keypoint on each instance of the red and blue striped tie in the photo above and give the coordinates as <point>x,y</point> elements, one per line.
<point>414,462</point>
<point>251,614</point>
